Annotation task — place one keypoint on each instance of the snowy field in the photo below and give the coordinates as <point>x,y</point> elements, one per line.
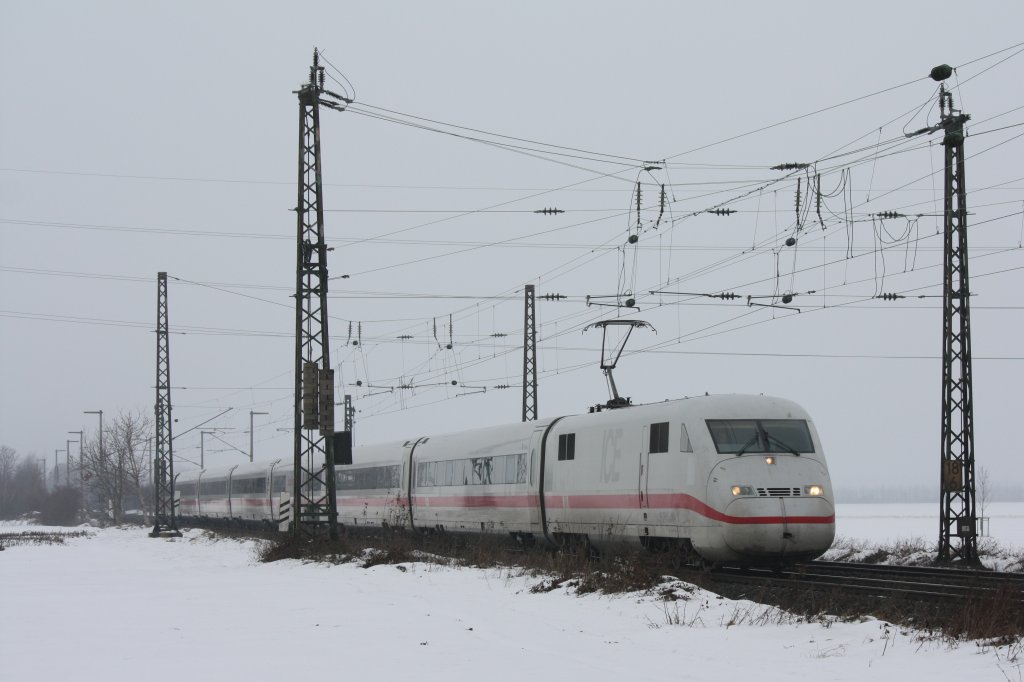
<point>891,522</point>
<point>118,605</point>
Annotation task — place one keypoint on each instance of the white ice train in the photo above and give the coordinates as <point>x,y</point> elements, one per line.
<point>734,478</point>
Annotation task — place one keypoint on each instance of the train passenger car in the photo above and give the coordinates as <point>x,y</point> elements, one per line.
<point>373,491</point>
<point>476,481</point>
<point>244,492</point>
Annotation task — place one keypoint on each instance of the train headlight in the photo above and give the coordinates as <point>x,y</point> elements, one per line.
<point>815,490</point>
<point>769,460</point>
<point>738,490</point>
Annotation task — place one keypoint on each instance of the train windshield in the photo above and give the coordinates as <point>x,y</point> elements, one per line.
<point>739,436</point>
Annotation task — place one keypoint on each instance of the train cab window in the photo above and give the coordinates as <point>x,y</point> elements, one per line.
<point>684,439</point>
<point>739,436</point>
<point>566,447</point>
<point>787,435</point>
<point>659,437</point>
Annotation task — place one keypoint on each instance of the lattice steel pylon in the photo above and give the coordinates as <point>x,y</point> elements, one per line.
<point>314,505</point>
<point>530,355</point>
<point>164,523</point>
<point>958,525</point>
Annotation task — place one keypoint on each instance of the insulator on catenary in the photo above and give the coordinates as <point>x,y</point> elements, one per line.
<point>549,211</point>
<point>889,214</point>
<point>798,203</point>
<point>721,211</point>
<point>553,297</point>
<point>502,386</point>
<point>638,197</point>
<point>890,297</point>
<point>791,166</point>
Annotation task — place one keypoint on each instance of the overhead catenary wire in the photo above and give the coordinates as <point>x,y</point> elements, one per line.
<point>993,131</point>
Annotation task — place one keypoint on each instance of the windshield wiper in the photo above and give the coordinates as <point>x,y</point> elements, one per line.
<point>753,440</point>
<point>782,444</point>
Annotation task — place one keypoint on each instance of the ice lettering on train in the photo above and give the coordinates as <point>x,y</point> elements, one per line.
<point>611,452</point>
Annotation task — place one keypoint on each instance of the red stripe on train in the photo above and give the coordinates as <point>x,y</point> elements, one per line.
<point>627,501</point>
<point>660,501</point>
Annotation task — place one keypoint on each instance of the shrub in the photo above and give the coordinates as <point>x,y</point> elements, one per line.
<point>60,508</point>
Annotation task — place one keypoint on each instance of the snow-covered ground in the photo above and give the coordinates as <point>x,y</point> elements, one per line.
<point>118,605</point>
<point>893,522</point>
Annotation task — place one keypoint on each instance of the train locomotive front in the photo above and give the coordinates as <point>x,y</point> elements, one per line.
<point>770,481</point>
<point>736,478</point>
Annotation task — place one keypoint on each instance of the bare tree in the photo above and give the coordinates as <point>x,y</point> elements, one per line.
<point>119,475</point>
<point>131,434</point>
<point>28,490</point>
<point>984,493</point>
<point>8,465</point>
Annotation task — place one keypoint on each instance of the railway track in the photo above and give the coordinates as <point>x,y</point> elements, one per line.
<point>881,581</point>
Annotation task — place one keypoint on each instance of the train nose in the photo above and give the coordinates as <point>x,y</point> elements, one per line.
<point>779,526</point>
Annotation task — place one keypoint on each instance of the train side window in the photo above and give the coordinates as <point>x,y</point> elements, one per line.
<point>393,476</point>
<point>423,473</point>
<point>684,439</point>
<point>566,447</point>
<point>278,486</point>
<point>248,486</point>
<point>659,437</point>
<point>214,487</point>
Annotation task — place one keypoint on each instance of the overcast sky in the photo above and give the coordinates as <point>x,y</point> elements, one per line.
<point>140,137</point>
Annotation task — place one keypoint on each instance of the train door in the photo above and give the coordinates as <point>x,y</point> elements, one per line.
<point>199,493</point>
<point>271,506</point>
<point>645,466</point>
<point>231,505</point>
<point>536,441</point>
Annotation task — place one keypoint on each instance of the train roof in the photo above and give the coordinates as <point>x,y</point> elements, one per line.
<point>723,406</point>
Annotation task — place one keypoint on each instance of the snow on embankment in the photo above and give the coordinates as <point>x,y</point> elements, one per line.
<point>117,604</point>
